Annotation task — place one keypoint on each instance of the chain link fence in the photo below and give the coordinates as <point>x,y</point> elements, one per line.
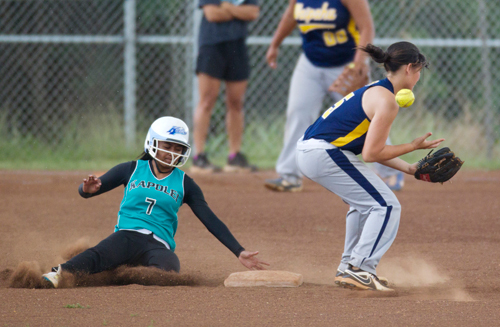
<point>74,74</point>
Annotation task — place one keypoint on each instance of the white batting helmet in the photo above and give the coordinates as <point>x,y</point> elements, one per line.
<point>168,129</point>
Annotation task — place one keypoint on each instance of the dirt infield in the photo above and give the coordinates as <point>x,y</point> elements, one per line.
<point>443,265</point>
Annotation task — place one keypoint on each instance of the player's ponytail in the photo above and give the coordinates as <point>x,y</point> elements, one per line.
<point>144,156</point>
<point>378,55</point>
<point>397,55</point>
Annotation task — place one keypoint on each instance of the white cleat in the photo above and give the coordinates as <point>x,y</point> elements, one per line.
<point>53,277</point>
<point>342,274</point>
<point>355,278</point>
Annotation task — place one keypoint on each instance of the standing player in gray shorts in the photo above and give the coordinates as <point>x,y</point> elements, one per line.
<point>222,56</point>
<point>360,124</point>
<point>329,43</point>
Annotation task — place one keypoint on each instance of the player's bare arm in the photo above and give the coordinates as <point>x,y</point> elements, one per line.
<point>382,109</point>
<point>399,164</point>
<point>217,14</point>
<point>360,12</point>
<point>242,12</point>
<point>405,167</point>
<point>285,27</point>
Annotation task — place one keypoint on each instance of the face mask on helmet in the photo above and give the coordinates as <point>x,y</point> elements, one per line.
<point>168,129</point>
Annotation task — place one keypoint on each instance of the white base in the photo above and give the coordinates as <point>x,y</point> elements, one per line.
<point>269,278</point>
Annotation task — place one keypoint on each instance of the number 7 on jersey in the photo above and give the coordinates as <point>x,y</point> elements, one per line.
<point>152,203</point>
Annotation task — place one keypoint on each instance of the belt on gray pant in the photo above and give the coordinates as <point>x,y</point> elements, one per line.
<point>314,144</point>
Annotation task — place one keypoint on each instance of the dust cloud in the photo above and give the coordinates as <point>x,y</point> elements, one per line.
<point>411,272</point>
<point>78,247</point>
<point>28,274</point>
<point>411,276</point>
<point>415,277</point>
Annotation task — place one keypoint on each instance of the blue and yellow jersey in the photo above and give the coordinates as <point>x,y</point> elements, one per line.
<point>329,34</point>
<point>345,124</point>
<point>151,203</point>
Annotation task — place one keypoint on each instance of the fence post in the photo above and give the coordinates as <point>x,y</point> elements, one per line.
<point>194,80</point>
<point>486,72</point>
<point>129,71</point>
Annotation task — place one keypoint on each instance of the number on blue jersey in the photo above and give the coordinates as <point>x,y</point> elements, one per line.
<point>336,105</point>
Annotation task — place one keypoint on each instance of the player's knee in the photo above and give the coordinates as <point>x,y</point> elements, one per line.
<point>207,101</point>
<point>234,104</point>
<point>395,207</point>
<point>392,202</point>
<point>165,260</point>
<point>170,266</point>
<point>205,106</point>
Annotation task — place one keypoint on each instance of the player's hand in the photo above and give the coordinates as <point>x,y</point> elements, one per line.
<point>91,184</point>
<point>249,260</point>
<point>271,55</point>
<point>362,67</point>
<point>422,143</point>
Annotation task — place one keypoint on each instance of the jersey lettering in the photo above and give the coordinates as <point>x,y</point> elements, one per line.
<point>336,105</point>
<point>320,14</point>
<point>332,39</point>
<point>157,187</point>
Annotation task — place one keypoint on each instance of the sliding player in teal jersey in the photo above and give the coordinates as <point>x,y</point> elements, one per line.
<point>155,188</point>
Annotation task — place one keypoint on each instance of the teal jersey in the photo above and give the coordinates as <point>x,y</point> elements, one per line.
<point>151,203</point>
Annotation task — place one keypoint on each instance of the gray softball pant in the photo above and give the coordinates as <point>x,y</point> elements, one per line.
<point>308,88</point>
<point>373,218</point>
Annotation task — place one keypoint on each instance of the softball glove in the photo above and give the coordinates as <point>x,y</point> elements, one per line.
<point>353,77</point>
<point>438,167</point>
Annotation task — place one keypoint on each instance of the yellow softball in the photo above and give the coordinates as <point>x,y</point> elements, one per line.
<point>405,98</point>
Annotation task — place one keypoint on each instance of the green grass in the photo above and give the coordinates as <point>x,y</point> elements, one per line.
<point>465,137</point>
<point>97,142</point>
<point>94,142</point>
<point>262,144</point>
<point>76,306</point>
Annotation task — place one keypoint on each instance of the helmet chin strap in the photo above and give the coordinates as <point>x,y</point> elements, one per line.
<point>158,168</point>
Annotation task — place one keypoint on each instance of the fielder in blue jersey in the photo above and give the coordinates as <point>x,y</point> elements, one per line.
<point>154,190</point>
<point>360,124</point>
<point>330,30</point>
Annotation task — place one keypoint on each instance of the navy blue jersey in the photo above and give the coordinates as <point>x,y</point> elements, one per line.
<point>345,124</point>
<point>329,34</point>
